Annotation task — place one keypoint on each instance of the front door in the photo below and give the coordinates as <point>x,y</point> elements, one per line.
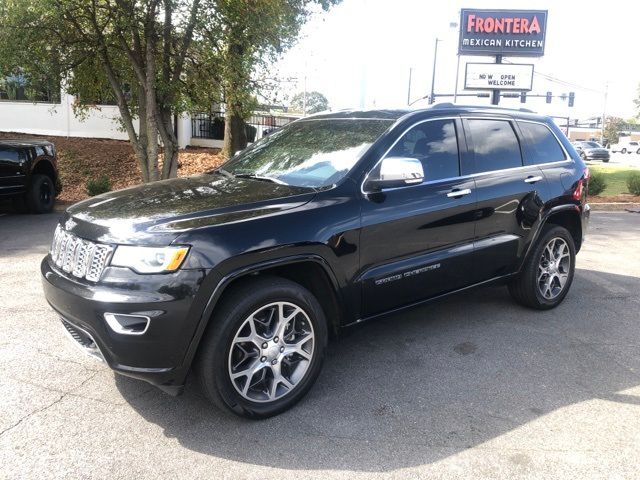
<point>417,241</point>
<point>12,177</point>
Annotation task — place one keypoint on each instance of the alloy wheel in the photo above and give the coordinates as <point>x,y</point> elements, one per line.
<point>271,352</point>
<point>553,268</point>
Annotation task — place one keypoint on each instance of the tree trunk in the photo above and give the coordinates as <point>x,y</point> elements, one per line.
<point>235,132</point>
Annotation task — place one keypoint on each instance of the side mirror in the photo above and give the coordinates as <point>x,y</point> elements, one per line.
<point>396,172</point>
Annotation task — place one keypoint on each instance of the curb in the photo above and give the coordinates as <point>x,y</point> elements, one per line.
<point>615,207</point>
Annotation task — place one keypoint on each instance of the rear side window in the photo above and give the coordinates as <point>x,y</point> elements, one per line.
<point>540,145</point>
<point>495,145</point>
<point>435,144</point>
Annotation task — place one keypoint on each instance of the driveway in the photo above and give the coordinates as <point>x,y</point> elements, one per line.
<point>472,387</point>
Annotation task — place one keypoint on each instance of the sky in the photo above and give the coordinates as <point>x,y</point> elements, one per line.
<point>359,54</point>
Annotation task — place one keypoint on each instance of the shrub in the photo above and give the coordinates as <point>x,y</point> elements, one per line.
<point>633,183</point>
<point>96,186</point>
<point>597,183</point>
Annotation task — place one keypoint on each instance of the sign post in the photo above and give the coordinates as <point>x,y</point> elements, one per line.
<point>502,32</point>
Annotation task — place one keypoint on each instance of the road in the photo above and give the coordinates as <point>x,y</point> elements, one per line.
<point>472,387</point>
<point>621,160</point>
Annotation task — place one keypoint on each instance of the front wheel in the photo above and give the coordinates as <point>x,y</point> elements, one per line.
<point>41,194</point>
<point>264,348</point>
<point>548,272</point>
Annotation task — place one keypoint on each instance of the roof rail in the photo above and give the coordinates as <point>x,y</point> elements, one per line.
<point>483,107</point>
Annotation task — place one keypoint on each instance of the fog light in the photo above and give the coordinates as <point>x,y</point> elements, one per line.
<point>126,324</point>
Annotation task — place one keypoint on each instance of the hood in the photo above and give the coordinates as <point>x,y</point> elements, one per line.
<point>155,213</point>
<point>596,150</point>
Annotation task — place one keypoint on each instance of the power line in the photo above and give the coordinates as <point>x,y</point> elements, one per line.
<point>563,82</point>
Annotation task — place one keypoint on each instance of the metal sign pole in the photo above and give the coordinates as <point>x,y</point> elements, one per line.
<point>495,97</point>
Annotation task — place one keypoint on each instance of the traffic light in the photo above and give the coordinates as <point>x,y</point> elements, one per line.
<point>572,97</point>
<point>523,97</point>
<point>549,95</point>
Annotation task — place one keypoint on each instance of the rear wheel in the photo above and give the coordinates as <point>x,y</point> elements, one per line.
<point>264,348</point>
<point>41,194</point>
<point>548,272</point>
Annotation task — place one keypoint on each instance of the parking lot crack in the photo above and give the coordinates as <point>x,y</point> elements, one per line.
<point>46,407</point>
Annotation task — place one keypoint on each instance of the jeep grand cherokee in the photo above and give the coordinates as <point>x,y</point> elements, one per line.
<point>242,273</point>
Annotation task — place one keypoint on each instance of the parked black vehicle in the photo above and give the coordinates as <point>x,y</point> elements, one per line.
<point>335,219</point>
<point>29,175</point>
<point>592,151</point>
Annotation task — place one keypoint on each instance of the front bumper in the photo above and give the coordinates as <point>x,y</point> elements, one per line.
<point>171,302</point>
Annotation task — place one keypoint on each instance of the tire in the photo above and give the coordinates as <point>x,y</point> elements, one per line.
<point>527,290</point>
<point>583,156</point>
<point>245,311</point>
<point>605,160</point>
<point>40,196</point>
<point>624,150</point>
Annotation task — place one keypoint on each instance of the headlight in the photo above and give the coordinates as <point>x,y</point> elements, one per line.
<point>149,259</point>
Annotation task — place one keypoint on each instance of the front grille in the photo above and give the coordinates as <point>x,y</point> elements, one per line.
<point>83,339</point>
<point>81,258</point>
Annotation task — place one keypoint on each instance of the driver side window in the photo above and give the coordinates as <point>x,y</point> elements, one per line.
<point>435,144</point>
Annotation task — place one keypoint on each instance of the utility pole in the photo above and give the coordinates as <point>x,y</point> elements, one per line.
<point>495,96</point>
<point>409,88</point>
<point>433,75</point>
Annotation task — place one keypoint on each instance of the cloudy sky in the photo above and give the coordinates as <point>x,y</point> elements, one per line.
<point>360,52</point>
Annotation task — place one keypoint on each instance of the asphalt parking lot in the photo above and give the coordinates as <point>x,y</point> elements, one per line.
<point>472,387</point>
<point>621,159</point>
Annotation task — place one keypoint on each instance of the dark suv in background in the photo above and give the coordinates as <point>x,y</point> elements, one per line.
<point>336,219</point>
<point>29,175</point>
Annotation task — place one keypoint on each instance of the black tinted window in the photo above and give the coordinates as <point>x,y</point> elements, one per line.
<point>435,144</point>
<point>8,154</point>
<point>495,145</point>
<point>541,145</point>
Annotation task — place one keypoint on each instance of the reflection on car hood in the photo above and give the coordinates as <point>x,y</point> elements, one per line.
<point>154,213</point>
<point>596,150</point>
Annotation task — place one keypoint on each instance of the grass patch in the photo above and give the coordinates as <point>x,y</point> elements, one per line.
<point>616,179</point>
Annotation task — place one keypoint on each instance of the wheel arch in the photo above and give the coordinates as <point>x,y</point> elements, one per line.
<point>45,166</point>
<point>569,218</point>
<point>311,271</point>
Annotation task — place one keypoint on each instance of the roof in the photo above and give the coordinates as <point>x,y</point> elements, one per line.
<point>438,108</point>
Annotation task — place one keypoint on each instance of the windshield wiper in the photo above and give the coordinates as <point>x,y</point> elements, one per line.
<point>260,177</point>
<point>222,171</point>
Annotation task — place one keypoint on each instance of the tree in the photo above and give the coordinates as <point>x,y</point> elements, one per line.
<point>253,35</point>
<point>636,101</point>
<point>313,103</point>
<point>135,52</point>
<point>612,129</point>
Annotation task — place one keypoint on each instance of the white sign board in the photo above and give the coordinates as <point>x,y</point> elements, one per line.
<point>498,76</point>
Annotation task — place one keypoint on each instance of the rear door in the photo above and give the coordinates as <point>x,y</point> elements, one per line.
<point>417,240</point>
<point>12,175</point>
<point>509,195</point>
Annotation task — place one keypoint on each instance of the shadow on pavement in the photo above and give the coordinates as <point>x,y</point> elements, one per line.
<point>416,387</point>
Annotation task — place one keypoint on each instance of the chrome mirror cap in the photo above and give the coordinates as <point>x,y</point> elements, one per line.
<point>395,172</point>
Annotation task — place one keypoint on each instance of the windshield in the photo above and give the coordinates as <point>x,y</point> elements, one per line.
<point>308,153</point>
<point>591,145</point>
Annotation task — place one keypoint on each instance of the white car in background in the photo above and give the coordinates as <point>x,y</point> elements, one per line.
<point>626,147</point>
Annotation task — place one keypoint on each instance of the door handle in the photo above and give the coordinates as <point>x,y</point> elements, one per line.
<point>532,179</point>
<point>459,193</point>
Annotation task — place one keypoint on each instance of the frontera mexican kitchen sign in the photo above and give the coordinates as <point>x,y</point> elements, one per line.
<point>502,32</point>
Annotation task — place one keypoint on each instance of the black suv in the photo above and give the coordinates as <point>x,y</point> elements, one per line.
<point>335,219</point>
<point>29,175</point>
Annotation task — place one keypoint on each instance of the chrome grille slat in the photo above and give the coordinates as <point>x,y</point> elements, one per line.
<point>81,258</point>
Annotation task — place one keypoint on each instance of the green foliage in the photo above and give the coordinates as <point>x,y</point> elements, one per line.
<point>98,186</point>
<point>597,183</point>
<point>612,129</point>
<point>633,183</point>
<point>315,102</point>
